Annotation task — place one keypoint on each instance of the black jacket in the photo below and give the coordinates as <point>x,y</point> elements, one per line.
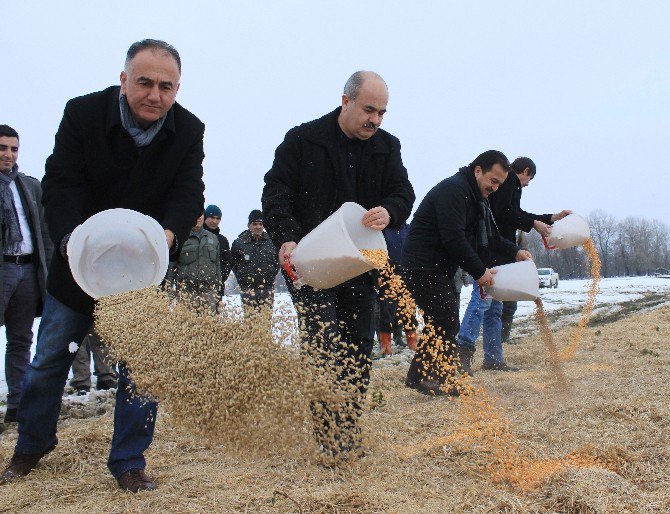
<point>226,257</point>
<point>255,262</point>
<point>445,231</point>
<point>96,166</point>
<point>506,207</point>
<point>301,187</point>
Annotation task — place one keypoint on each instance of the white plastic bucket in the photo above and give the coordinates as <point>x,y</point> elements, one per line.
<point>515,282</point>
<point>573,230</point>
<point>331,253</point>
<point>116,251</point>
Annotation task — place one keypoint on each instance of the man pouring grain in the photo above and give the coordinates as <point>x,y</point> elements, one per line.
<point>132,147</point>
<point>341,157</point>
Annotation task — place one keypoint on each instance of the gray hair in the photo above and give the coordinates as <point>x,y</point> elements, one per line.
<point>353,85</point>
<point>152,44</point>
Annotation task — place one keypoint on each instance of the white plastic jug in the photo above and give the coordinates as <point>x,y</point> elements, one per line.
<point>573,230</point>
<point>331,253</point>
<point>515,282</point>
<point>116,251</point>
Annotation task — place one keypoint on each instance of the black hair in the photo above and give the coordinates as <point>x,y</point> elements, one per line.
<point>490,158</point>
<point>7,131</point>
<point>521,163</point>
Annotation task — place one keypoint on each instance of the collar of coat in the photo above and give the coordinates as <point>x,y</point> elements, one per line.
<point>246,237</point>
<point>469,175</point>
<point>323,131</point>
<point>114,116</point>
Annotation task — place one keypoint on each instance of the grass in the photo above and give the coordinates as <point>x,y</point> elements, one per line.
<point>600,446</point>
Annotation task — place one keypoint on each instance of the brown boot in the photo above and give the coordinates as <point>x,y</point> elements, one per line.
<point>136,480</point>
<point>385,342</point>
<point>20,465</point>
<point>412,339</point>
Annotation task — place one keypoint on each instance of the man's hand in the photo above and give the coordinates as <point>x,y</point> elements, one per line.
<point>524,255</point>
<point>286,250</point>
<point>560,215</point>
<point>169,236</point>
<point>542,228</point>
<point>377,218</point>
<point>487,278</point>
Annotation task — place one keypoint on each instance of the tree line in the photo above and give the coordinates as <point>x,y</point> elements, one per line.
<point>630,247</point>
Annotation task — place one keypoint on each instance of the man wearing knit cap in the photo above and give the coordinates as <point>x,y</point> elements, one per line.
<point>212,221</point>
<point>255,265</point>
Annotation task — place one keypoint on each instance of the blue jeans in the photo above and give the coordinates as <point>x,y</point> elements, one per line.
<point>43,386</point>
<point>487,314</point>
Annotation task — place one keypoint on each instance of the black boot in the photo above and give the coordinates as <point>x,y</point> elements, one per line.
<point>465,356</point>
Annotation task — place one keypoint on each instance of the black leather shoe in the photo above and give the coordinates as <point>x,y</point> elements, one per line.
<point>498,366</point>
<point>431,388</point>
<point>136,480</point>
<point>104,385</point>
<point>21,464</point>
<point>10,416</point>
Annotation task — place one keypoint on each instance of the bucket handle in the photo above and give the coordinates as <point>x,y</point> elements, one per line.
<point>290,271</point>
<point>546,244</point>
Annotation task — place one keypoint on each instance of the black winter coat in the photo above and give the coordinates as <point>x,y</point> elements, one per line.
<point>226,257</point>
<point>506,207</point>
<point>255,262</point>
<point>444,230</point>
<point>96,166</point>
<point>301,187</point>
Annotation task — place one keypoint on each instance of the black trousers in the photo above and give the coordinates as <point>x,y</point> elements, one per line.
<point>509,308</point>
<point>434,293</point>
<point>339,325</point>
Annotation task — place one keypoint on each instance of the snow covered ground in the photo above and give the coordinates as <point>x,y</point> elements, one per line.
<point>570,293</point>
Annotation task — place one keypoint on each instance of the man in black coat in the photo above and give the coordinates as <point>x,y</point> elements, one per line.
<point>212,220</point>
<point>506,208</point>
<point>452,228</point>
<point>255,266</point>
<point>341,157</point>
<point>130,147</point>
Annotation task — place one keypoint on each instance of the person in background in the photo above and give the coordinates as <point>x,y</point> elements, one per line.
<point>460,280</point>
<point>341,157</point>
<point>389,316</point>
<point>506,208</point>
<point>129,146</point>
<point>212,220</point>
<point>26,252</point>
<point>255,266</point>
<point>196,274</point>
<point>81,367</point>
<point>452,228</point>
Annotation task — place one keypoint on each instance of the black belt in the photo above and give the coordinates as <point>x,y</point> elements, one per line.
<point>18,259</point>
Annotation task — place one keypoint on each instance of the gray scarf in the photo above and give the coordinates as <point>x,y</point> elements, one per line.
<point>11,230</point>
<point>140,136</point>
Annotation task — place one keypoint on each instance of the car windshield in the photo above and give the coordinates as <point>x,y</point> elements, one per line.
<point>543,272</point>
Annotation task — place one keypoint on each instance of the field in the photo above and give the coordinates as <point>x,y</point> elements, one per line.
<point>520,444</point>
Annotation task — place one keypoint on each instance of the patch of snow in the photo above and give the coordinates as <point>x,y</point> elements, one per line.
<point>570,293</point>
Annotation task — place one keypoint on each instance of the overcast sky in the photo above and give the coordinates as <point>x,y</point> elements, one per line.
<point>581,87</point>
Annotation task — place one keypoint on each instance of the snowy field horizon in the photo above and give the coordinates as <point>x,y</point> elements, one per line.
<point>570,294</point>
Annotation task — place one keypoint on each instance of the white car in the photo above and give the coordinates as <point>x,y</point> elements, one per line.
<point>548,277</point>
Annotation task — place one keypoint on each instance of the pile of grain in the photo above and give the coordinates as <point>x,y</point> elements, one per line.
<point>225,377</point>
